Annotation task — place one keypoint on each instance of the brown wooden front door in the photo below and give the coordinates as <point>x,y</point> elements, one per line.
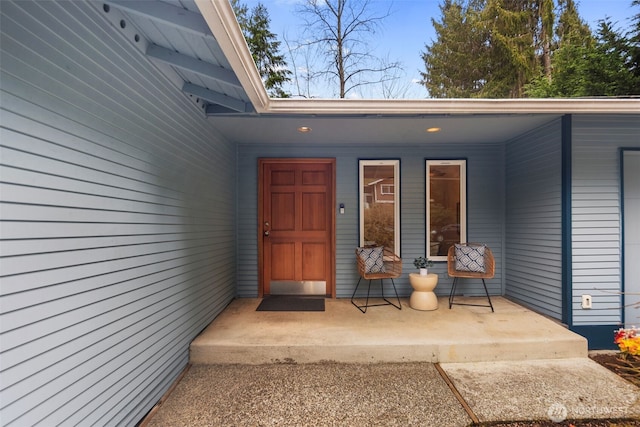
<point>296,244</point>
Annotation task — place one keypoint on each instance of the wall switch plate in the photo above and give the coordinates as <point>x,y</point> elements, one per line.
<point>586,301</point>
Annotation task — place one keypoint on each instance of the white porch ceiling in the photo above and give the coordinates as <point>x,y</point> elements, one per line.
<point>373,129</point>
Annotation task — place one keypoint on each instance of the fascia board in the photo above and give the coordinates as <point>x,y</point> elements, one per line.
<point>224,26</point>
<point>455,106</point>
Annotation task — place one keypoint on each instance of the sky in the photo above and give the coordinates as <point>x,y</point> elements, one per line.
<point>406,31</point>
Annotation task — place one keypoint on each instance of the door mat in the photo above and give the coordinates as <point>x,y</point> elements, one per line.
<point>291,303</point>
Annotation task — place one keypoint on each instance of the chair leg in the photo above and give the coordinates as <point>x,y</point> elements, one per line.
<point>486,291</point>
<point>354,294</point>
<point>453,290</point>
<point>399,306</point>
<point>452,296</point>
<point>366,304</point>
<point>363,308</point>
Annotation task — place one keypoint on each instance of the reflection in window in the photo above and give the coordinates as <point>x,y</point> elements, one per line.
<point>380,204</point>
<point>446,206</point>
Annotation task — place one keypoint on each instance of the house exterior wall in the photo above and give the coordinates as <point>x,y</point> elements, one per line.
<point>596,232</point>
<point>533,253</point>
<point>118,221</point>
<point>485,190</point>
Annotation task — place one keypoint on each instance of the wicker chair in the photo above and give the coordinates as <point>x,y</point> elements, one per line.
<point>489,265</point>
<point>392,270</point>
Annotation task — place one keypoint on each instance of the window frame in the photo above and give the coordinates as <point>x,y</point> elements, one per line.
<point>462,163</point>
<point>386,189</point>
<point>362,163</point>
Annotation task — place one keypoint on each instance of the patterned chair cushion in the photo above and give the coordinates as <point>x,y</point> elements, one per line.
<point>470,258</point>
<point>373,259</point>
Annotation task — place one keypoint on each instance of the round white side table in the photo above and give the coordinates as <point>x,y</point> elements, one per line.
<point>423,297</point>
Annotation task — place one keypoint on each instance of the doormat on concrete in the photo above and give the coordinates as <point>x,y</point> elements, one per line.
<point>291,303</point>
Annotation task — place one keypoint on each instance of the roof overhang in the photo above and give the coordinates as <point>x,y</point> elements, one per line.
<point>454,106</point>
<point>222,22</point>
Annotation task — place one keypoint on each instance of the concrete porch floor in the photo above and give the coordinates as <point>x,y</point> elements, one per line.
<point>242,335</point>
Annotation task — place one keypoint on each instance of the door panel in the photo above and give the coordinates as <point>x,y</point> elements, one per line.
<point>314,216</point>
<point>284,205</point>
<point>297,226</point>
<point>313,261</point>
<point>282,261</point>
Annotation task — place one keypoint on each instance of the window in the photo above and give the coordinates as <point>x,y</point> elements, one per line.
<point>380,204</point>
<point>387,189</point>
<point>446,201</point>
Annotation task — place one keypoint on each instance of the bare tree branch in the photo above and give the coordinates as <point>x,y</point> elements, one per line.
<point>341,31</point>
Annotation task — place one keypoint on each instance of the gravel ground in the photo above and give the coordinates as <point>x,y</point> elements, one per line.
<point>407,394</point>
<point>332,394</point>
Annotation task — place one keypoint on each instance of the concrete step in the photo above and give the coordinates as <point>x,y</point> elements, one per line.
<point>341,333</point>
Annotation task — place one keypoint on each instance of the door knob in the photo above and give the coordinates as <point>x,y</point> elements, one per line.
<point>266,233</point>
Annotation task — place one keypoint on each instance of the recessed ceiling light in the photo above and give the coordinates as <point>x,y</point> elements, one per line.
<point>304,129</point>
<point>433,130</point>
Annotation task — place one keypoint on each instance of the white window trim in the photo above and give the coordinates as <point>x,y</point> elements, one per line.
<point>396,173</point>
<point>463,203</point>
<point>387,189</point>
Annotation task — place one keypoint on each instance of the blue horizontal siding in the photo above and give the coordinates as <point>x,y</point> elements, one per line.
<point>485,198</point>
<point>534,220</point>
<point>597,214</point>
<point>117,221</point>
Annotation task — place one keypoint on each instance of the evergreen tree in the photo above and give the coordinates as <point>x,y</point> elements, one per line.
<point>609,67</point>
<point>546,20</point>
<point>264,47</point>
<point>242,15</point>
<point>456,64</point>
<point>488,48</point>
<point>634,40</point>
<point>510,49</point>
<point>571,49</point>
<point>584,65</point>
<point>512,25</point>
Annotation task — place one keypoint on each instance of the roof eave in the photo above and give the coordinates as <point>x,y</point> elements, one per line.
<point>456,106</point>
<point>222,21</point>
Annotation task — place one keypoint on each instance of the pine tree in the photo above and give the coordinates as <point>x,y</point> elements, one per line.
<point>609,67</point>
<point>457,62</point>
<point>572,46</point>
<point>634,39</point>
<point>264,47</point>
<point>546,19</point>
<point>486,48</point>
<point>512,25</point>
<point>587,65</point>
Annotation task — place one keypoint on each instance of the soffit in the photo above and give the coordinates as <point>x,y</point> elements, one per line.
<point>375,129</point>
<point>176,38</point>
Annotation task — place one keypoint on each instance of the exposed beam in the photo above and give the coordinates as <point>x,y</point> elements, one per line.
<point>189,63</point>
<point>166,13</point>
<point>222,21</point>
<point>217,110</point>
<point>216,97</point>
